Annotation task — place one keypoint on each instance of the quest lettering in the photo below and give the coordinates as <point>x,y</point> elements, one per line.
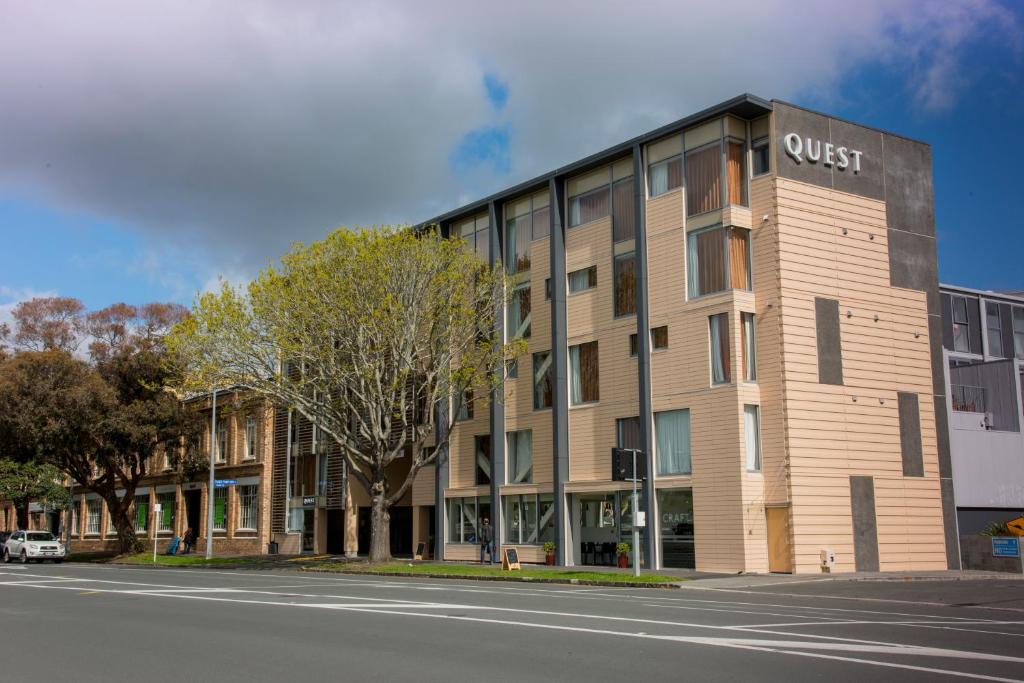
<point>814,151</point>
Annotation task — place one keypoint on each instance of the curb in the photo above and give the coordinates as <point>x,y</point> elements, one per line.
<point>515,579</point>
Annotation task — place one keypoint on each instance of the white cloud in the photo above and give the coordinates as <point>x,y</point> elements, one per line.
<point>231,129</point>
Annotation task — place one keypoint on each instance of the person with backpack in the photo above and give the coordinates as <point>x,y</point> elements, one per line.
<point>486,540</point>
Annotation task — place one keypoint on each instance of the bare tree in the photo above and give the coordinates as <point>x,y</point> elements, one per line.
<point>48,323</point>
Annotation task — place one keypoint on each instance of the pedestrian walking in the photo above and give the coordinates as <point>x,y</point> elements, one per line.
<point>190,540</point>
<point>486,540</point>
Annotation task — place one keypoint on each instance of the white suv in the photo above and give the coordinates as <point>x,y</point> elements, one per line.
<point>33,545</point>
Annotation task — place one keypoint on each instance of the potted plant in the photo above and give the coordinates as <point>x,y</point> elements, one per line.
<point>549,553</point>
<point>623,550</point>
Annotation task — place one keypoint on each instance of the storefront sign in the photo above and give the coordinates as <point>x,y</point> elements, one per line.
<point>308,501</point>
<point>1005,546</point>
<point>815,151</point>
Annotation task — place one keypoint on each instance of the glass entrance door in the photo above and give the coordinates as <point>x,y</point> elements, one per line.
<point>308,526</point>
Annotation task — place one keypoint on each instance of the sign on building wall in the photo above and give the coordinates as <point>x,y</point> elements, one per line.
<point>805,148</point>
<point>1005,546</point>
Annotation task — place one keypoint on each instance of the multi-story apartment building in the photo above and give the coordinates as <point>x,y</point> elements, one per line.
<point>983,338</point>
<point>241,518</point>
<point>749,296</point>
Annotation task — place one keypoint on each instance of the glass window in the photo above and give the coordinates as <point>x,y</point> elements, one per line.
<point>512,368</point>
<point>519,315</point>
<point>220,509</point>
<point>250,437</point>
<point>221,450</point>
<point>665,175</point>
<point>520,457</point>
<point>623,221</point>
<point>94,507</point>
<point>582,279</point>
<point>518,233</point>
<point>482,449</point>
<point>995,330</point>
<point>749,348</point>
<point>464,408</point>
<point>543,388</point>
<point>547,289</point>
<point>111,526</point>
<point>672,431</point>
<point>476,232</point>
<point>1018,332</point>
<point>141,513</point>
<point>462,518</point>
<point>752,437</point>
<point>659,337</point>
<point>248,507</point>
<point>736,171</point>
<point>625,284</point>
<point>961,325</point>
<point>719,326</point>
<point>589,206</point>
<point>710,270</point>
<point>627,433</point>
<point>529,519</point>
<point>704,179</point>
<point>675,517</point>
<point>584,380</point>
<point>634,345</point>
<point>166,521</point>
<point>760,155</point>
<point>76,518</point>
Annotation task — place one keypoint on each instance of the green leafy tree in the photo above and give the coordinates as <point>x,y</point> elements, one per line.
<point>365,334</point>
<point>22,483</point>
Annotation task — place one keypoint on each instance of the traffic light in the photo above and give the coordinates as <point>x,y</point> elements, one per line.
<point>622,465</point>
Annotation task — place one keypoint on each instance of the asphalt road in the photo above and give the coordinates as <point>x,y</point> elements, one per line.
<point>102,623</point>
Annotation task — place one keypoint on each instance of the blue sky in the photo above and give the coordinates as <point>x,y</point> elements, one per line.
<point>130,171</point>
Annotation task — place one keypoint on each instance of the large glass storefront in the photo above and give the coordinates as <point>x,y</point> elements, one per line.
<point>675,517</point>
<point>603,520</point>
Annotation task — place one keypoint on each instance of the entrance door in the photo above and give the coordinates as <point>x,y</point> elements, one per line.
<point>308,529</point>
<point>335,532</point>
<point>363,531</point>
<point>780,552</point>
<point>401,530</point>
<point>193,509</point>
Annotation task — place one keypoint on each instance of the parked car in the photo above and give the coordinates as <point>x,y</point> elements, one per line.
<point>33,545</point>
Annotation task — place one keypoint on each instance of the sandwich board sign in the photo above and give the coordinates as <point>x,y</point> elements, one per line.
<point>509,559</point>
<point>421,549</point>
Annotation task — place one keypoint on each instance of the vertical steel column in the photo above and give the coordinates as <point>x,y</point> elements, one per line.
<point>559,363</point>
<point>643,337</point>
<point>497,408</point>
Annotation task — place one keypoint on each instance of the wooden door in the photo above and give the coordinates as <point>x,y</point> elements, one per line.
<point>780,549</point>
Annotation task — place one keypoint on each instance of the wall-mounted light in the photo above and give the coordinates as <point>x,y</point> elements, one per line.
<point>854,399</point>
<point>765,218</point>
<point>846,231</point>
<point>871,237</point>
<point>917,335</point>
<point>876,317</point>
<point>881,400</point>
<point>849,313</point>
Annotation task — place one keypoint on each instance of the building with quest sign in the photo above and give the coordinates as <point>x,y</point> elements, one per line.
<point>749,296</point>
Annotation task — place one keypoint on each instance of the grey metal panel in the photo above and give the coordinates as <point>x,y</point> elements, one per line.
<point>912,265</point>
<point>644,349</point>
<point>830,355</point>
<point>947,321</point>
<point>910,434</point>
<point>865,529</point>
<point>497,407</point>
<point>942,435</point>
<point>909,198</point>
<point>870,180</point>
<point>949,523</point>
<point>998,378</point>
<point>938,361</point>
<point>559,362</point>
<point>1006,327</point>
<point>789,119</point>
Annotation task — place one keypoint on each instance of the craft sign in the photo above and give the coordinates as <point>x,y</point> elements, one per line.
<point>815,151</point>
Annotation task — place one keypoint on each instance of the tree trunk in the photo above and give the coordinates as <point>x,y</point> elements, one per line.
<point>380,528</point>
<point>126,537</point>
<point>21,513</point>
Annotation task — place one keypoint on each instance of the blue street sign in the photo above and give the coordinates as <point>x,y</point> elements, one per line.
<point>1005,546</point>
<point>221,483</point>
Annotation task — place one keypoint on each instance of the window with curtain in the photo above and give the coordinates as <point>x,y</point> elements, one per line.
<point>520,456</point>
<point>666,175</point>
<point>464,408</point>
<point>672,435</point>
<point>221,452</point>
<point>627,433</point>
<point>625,284</point>
<point>476,233</point>
<point>589,206</point>
<point>736,171</point>
<point>584,377</point>
<point>995,330</point>
<point>623,220</point>
<point>518,233</point>
<point>961,325</point>
<point>709,269</point>
<point>248,508</point>
<point>111,527</point>
<point>1018,332</point>
<point>93,510</point>
<point>749,348</point>
<point>659,337</point>
<point>518,314</point>
<point>719,326</point>
<point>220,509</point>
<point>76,518</point>
<point>752,437</point>
<point>582,279</point>
<point>704,179</point>
<point>541,221</point>
<point>250,437</point>
<point>482,449</point>
<point>543,388</point>
<point>529,519</point>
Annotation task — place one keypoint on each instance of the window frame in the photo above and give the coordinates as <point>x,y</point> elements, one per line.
<point>965,323</point>
<point>756,145</point>
<point>651,194</point>
<point>512,450</point>
<point>993,331</point>
<point>247,507</point>
<point>549,359</point>
<point>753,464</point>
<point>591,273</point>
<point>748,348</point>
<point>724,347</point>
<point>251,437</point>
<point>477,470</point>
<point>689,446</point>
<point>595,391</point>
<point>693,260</point>
<point>519,501</point>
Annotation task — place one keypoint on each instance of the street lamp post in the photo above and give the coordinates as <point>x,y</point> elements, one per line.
<point>209,491</point>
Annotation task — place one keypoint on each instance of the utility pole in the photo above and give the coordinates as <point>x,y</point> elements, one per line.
<point>636,521</point>
<point>209,492</point>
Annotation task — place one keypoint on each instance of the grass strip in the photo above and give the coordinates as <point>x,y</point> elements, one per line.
<point>178,560</point>
<point>461,571</point>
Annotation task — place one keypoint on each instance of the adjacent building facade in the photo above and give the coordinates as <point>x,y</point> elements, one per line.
<point>983,339</point>
<point>748,296</point>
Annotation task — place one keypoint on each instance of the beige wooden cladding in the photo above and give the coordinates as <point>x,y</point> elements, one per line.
<point>832,244</point>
